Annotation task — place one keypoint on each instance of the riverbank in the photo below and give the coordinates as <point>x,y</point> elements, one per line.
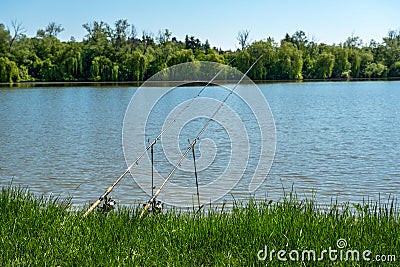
<point>139,83</point>
<point>36,231</point>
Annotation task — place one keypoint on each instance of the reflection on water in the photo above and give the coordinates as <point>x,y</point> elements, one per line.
<point>335,139</point>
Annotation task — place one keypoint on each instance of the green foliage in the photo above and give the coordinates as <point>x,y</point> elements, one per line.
<point>212,56</point>
<point>243,60</point>
<point>324,65</point>
<point>374,70</point>
<point>342,65</point>
<point>102,69</point>
<point>264,67</point>
<point>181,56</point>
<point>5,40</point>
<point>116,53</point>
<point>290,61</point>
<point>367,57</point>
<point>47,70</point>
<point>133,66</point>
<point>355,62</point>
<point>9,71</point>
<point>395,69</point>
<point>40,231</point>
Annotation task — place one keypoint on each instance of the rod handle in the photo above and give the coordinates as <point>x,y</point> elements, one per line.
<point>94,205</point>
<point>144,210</point>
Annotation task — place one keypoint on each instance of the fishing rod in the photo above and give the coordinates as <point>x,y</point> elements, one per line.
<point>191,146</point>
<point>151,144</point>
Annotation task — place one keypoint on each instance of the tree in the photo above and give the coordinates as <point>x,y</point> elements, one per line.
<point>214,56</point>
<point>18,31</point>
<point>102,69</point>
<point>139,65</point>
<point>353,42</point>
<point>290,61</point>
<point>376,70</point>
<point>24,55</point>
<point>342,65</point>
<point>120,33</point>
<point>355,62</point>
<point>243,60</point>
<point>167,34</point>
<point>163,36</point>
<point>264,67</point>
<point>157,57</point>
<point>46,70</point>
<point>393,39</point>
<point>117,54</point>
<point>132,39</point>
<point>324,65</point>
<point>71,61</point>
<point>147,41</point>
<point>181,56</point>
<point>97,43</point>
<point>5,39</point>
<point>53,29</point>
<point>97,31</point>
<point>192,43</point>
<point>243,38</point>
<point>8,71</point>
<point>299,39</point>
<point>133,67</point>
<point>367,57</point>
<point>206,47</point>
<point>392,52</point>
<point>395,69</point>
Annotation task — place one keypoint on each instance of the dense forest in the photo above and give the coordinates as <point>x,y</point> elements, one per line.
<point>119,53</point>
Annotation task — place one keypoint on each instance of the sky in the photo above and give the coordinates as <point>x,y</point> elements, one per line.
<point>219,22</point>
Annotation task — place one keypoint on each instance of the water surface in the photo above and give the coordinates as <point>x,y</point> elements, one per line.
<point>337,140</point>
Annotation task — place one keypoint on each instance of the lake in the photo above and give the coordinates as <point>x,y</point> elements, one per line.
<point>334,140</point>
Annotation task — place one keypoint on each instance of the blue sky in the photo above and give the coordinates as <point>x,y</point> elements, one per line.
<point>218,21</point>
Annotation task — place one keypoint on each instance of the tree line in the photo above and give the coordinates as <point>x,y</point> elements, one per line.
<point>118,53</point>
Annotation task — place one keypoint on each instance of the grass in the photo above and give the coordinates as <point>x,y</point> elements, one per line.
<point>38,231</point>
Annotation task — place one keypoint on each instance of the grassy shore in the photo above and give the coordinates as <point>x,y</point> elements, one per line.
<point>36,231</point>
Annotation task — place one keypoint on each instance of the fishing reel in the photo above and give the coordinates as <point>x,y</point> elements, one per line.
<point>156,206</point>
<point>109,204</point>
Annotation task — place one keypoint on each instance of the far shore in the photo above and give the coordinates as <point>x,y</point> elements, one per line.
<point>139,83</point>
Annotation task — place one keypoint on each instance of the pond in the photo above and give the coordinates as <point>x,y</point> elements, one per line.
<point>334,140</point>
